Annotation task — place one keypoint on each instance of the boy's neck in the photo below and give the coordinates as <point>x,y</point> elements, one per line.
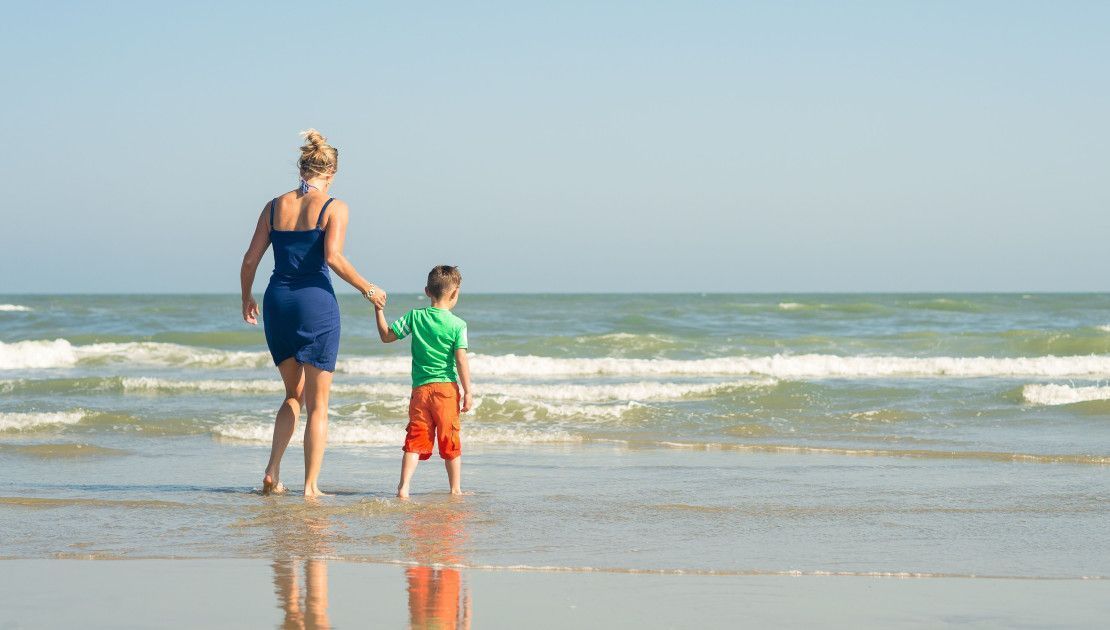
<point>443,304</point>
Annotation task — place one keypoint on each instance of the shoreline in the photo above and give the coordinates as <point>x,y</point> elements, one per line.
<point>580,570</point>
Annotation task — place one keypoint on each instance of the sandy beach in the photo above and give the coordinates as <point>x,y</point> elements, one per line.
<point>321,594</point>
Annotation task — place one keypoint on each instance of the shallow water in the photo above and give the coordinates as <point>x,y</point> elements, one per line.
<point>960,435</point>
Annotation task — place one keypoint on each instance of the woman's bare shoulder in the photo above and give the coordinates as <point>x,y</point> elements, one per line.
<point>337,207</point>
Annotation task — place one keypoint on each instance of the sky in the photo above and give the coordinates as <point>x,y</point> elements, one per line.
<point>565,146</point>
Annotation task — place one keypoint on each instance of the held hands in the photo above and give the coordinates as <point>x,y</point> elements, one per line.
<point>250,311</point>
<point>467,402</point>
<point>376,295</point>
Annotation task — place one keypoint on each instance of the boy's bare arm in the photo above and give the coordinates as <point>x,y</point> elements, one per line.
<point>387,335</point>
<point>464,378</point>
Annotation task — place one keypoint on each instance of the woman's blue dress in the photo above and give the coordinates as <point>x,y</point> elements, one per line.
<point>299,311</point>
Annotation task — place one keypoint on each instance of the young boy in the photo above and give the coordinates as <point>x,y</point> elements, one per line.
<point>438,347</point>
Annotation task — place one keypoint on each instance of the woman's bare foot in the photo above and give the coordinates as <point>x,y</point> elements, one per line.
<point>268,485</point>
<point>314,493</point>
<point>402,492</point>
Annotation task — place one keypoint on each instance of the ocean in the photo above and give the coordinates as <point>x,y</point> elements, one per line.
<point>859,435</point>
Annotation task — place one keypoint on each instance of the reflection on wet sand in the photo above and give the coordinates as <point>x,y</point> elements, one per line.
<point>299,531</point>
<point>311,611</point>
<point>434,536</point>
<point>438,598</point>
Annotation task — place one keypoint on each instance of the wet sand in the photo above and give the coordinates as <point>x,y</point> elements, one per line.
<point>317,593</point>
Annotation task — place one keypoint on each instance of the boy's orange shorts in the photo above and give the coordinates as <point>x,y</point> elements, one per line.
<point>434,417</point>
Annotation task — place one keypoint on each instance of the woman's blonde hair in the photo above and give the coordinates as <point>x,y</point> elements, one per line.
<point>317,156</point>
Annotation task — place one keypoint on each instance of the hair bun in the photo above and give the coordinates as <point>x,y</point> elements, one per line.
<point>313,139</point>
<point>317,156</point>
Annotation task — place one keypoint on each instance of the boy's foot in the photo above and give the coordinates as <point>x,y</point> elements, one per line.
<point>402,492</point>
<point>457,492</point>
<point>314,493</point>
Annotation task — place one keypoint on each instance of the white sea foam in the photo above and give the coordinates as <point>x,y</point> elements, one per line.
<point>1104,327</point>
<point>644,390</point>
<point>641,391</point>
<point>60,353</point>
<point>169,354</point>
<point>37,354</point>
<point>27,421</point>
<point>392,434</point>
<point>1063,394</point>
<point>538,409</point>
<point>14,308</point>
<point>778,366</point>
<point>790,306</point>
<point>260,386</point>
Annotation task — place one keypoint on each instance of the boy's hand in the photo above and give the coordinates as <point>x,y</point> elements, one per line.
<point>378,300</point>
<point>467,402</point>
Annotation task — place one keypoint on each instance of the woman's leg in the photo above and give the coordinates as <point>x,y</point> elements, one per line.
<point>286,422</point>
<point>316,389</point>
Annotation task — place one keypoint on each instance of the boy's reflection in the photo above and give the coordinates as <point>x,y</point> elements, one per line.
<point>437,596</point>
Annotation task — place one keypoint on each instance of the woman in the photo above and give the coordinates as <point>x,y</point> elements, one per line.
<point>301,315</point>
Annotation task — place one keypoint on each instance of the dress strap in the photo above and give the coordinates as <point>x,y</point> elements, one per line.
<point>272,213</point>
<point>320,219</point>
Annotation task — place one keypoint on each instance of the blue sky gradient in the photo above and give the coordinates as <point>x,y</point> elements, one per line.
<point>566,146</point>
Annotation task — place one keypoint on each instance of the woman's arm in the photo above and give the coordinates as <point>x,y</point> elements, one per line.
<point>335,235</point>
<point>259,243</point>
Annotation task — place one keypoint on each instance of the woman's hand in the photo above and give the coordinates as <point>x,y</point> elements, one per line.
<point>375,294</point>
<point>250,311</point>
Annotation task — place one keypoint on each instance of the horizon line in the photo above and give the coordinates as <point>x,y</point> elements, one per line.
<point>595,293</point>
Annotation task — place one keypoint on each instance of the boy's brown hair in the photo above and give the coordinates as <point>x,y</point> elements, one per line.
<point>442,279</point>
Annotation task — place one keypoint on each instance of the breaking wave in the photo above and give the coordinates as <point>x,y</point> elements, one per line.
<point>1063,394</point>
<point>60,353</point>
<point>31,421</point>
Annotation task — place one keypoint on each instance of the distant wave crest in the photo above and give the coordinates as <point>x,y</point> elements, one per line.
<point>14,308</point>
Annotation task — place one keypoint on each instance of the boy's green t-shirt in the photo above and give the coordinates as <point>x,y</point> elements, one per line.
<point>436,334</point>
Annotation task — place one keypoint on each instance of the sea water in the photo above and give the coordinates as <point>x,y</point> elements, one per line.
<point>907,435</point>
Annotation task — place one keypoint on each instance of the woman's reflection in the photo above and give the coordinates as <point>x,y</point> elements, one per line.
<point>312,611</point>
<point>301,531</point>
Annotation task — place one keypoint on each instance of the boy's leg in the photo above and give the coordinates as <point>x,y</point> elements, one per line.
<point>286,422</point>
<point>448,427</point>
<point>454,474</point>
<point>408,466</point>
<point>418,437</point>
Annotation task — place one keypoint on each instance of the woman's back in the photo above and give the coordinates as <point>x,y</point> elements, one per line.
<point>297,233</point>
